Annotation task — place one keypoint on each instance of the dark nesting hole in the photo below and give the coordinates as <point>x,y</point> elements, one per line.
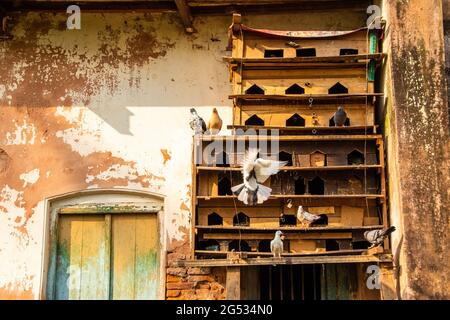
<point>355,158</point>
<point>358,245</point>
<point>300,186</point>
<point>210,245</point>
<point>285,156</point>
<point>254,89</point>
<point>323,221</point>
<point>224,187</point>
<point>316,186</point>
<point>295,121</point>
<point>214,219</point>
<point>338,88</point>
<point>241,219</point>
<point>348,52</point>
<point>331,245</point>
<point>306,52</point>
<point>254,120</point>
<point>288,220</point>
<point>238,245</point>
<point>273,53</point>
<point>222,159</point>
<point>332,124</point>
<point>264,246</point>
<point>294,89</point>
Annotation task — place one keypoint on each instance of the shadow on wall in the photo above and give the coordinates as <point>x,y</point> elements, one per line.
<point>118,117</point>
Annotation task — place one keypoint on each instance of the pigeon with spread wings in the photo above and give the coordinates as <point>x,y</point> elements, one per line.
<point>255,172</point>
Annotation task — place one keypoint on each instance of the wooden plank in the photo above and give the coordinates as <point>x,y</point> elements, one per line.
<point>352,216</point>
<point>111,208</point>
<point>287,229</point>
<point>185,14</point>
<point>288,128</point>
<point>123,257</point>
<point>304,196</point>
<point>325,168</point>
<point>269,236</point>
<point>304,97</point>
<point>288,61</point>
<point>292,138</point>
<point>68,261</point>
<point>146,275</point>
<point>94,257</point>
<point>282,261</point>
<point>233,283</point>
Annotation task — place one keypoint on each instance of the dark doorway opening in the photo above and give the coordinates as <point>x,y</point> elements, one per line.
<point>273,53</point>
<point>290,282</point>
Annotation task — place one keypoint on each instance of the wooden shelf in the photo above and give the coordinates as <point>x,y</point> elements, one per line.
<point>304,97</point>
<point>346,258</point>
<point>325,168</point>
<point>303,196</point>
<point>369,129</point>
<point>315,61</point>
<point>286,254</point>
<point>330,137</point>
<point>293,229</point>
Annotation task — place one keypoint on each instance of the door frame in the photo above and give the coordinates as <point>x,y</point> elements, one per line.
<point>97,201</point>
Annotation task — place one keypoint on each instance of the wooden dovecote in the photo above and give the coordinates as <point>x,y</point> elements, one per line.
<point>336,172</point>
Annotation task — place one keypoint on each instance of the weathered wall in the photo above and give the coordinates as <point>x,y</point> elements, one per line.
<point>417,147</point>
<point>107,106</point>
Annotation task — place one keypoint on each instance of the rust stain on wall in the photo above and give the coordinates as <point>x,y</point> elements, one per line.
<point>166,155</point>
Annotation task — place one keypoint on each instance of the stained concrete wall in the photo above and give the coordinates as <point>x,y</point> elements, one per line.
<point>417,142</point>
<point>107,106</point>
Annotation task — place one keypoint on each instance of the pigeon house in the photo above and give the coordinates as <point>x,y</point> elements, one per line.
<point>306,52</point>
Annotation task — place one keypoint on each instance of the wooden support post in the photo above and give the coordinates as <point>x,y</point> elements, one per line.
<point>233,283</point>
<point>387,282</point>
<point>185,14</point>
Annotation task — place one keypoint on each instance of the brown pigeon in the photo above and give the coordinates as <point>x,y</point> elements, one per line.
<point>214,123</point>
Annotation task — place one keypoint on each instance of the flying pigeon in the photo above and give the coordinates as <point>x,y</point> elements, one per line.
<point>256,171</point>
<point>214,123</point>
<point>276,245</point>
<point>340,117</point>
<point>197,123</point>
<point>376,237</point>
<point>292,44</point>
<point>306,217</point>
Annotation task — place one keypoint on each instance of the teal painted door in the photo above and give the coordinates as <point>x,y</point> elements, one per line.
<point>107,257</point>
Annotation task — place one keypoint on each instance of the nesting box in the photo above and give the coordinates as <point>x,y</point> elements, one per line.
<point>318,159</point>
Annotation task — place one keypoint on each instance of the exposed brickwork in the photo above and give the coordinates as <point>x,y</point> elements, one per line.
<point>195,283</point>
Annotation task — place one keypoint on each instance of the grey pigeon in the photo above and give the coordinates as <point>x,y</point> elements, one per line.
<point>340,117</point>
<point>376,237</point>
<point>197,123</point>
<point>255,172</point>
<point>276,245</point>
<point>305,217</point>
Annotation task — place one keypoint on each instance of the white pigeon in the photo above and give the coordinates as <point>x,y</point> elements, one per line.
<point>306,217</point>
<point>376,237</point>
<point>256,171</point>
<point>197,123</point>
<point>276,245</point>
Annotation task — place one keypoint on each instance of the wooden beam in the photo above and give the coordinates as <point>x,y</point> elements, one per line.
<point>287,229</point>
<point>269,236</point>
<point>282,261</point>
<point>304,196</point>
<point>233,283</point>
<point>284,169</point>
<point>185,14</point>
<point>286,254</point>
<point>330,137</point>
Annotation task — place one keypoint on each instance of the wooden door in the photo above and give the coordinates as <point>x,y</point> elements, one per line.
<point>107,257</point>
